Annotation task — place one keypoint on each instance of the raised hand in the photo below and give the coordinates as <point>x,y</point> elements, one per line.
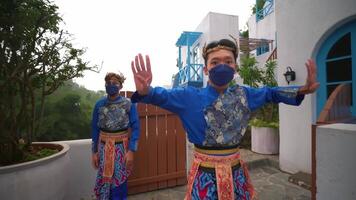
<point>142,74</point>
<point>311,84</point>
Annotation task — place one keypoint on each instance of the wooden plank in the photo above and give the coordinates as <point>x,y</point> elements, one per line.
<point>158,178</point>
<point>152,146</point>
<point>140,156</point>
<point>162,147</point>
<point>171,150</point>
<point>181,150</point>
<point>157,162</point>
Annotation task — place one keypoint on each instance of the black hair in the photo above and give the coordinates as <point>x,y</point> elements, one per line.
<point>223,43</point>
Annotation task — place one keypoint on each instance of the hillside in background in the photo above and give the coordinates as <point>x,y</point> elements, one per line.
<point>67,113</point>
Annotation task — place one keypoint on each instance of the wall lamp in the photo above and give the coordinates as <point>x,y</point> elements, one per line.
<point>289,75</point>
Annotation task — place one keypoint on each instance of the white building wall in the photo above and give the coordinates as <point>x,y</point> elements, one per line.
<point>263,29</point>
<point>302,26</point>
<point>216,26</point>
<point>335,163</point>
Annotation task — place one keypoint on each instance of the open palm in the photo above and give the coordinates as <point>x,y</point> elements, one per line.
<point>311,84</point>
<point>142,74</point>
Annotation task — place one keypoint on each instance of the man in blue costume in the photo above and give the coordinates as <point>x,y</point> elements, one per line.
<point>215,118</point>
<point>114,117</point>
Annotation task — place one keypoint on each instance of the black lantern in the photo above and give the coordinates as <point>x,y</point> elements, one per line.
<point>289,75</point>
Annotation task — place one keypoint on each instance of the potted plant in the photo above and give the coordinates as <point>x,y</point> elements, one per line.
<point>264,122</point>
<point>36,57</point>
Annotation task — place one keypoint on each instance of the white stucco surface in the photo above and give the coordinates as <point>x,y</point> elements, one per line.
<point>301,27</point>
<point>216,26</point>
<point>335,161</point>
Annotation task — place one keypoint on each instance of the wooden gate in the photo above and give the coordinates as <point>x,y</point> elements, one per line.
<point>160,160</point>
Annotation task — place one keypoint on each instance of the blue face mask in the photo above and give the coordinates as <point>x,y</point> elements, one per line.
<point>112,89</point>
<point>221,74</point>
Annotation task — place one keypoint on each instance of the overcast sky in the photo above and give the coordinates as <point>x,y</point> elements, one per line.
<point>114,31</point>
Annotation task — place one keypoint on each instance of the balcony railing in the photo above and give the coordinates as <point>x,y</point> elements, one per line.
<point>191,75</point>
<point>267,9</point>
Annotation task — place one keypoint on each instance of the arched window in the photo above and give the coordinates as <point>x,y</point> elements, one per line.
<point>336,61</point>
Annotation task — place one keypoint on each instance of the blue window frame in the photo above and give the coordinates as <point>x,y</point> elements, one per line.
<point>262,49</point>
<point>336,61</point>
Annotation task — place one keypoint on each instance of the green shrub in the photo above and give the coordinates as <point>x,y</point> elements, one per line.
<point>255,76</point>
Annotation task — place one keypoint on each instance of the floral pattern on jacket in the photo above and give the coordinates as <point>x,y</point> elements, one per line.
<point>114,116</point>
<point>227,118</point>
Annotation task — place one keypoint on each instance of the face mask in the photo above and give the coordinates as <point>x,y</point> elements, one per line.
<point>112,89</point>
<point>221,74</point>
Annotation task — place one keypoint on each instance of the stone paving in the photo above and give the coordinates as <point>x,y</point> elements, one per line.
<point>270,183</point>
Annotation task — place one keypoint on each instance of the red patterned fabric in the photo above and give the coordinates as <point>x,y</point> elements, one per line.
<point>223,172</point>
<point>109,152</point>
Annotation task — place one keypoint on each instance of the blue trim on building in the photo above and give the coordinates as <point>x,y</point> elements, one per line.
<point>192,73</point>
<point>268,8</point>
<point>322,60</point>
<point>188,38</point>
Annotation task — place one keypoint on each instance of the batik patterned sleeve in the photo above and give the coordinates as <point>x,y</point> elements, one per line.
<point>95,129</point>
<point>170,99</point>
<point>135,128</point>
<point>257,97</point>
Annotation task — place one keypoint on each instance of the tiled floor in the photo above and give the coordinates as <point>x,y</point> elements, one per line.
<point>270,183</point>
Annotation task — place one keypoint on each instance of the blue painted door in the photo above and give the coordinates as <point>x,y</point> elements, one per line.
<point>336,62</point>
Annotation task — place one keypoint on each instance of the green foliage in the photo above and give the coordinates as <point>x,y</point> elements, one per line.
<point>244,34</point>
<point>260,123</point>
<point>260,4</point>
<point>36,57</point>
<point>254,76</point>
<point>40,154</point>
<point>68,113</point>
<point>249,71</point>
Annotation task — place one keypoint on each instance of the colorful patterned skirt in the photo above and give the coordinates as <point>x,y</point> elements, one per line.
<point>112,171</point>
<point>218,176</point>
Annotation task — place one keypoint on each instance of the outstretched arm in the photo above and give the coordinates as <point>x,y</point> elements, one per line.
<point>142,74</point>
<point>292,95</point>
<point>311,84</point>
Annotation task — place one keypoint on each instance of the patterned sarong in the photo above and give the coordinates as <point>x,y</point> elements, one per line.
<point>112,169</point>
<point>109,149</point>
<point>225,183</point>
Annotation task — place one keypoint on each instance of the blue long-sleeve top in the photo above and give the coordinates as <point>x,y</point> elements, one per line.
<point>211,119</point>
<point>113,116</point>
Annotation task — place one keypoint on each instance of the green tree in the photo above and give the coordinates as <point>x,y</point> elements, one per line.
<point>259,4</point>
<point>255,76</point>
<point>244,34</point>
<point>249,72</point>
<point>36,57</point>
<point>66,119</point>
<point>68,113</point>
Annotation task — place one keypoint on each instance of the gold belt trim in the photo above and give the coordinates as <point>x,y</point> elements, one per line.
<point>117,137</point>
<point>217,152</point>
<point>213,165</point>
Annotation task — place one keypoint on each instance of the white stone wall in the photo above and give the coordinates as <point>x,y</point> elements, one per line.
<point>335,161</point>
<point>263,29</point>
<point>42,179</point>
<point>302,26</point>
